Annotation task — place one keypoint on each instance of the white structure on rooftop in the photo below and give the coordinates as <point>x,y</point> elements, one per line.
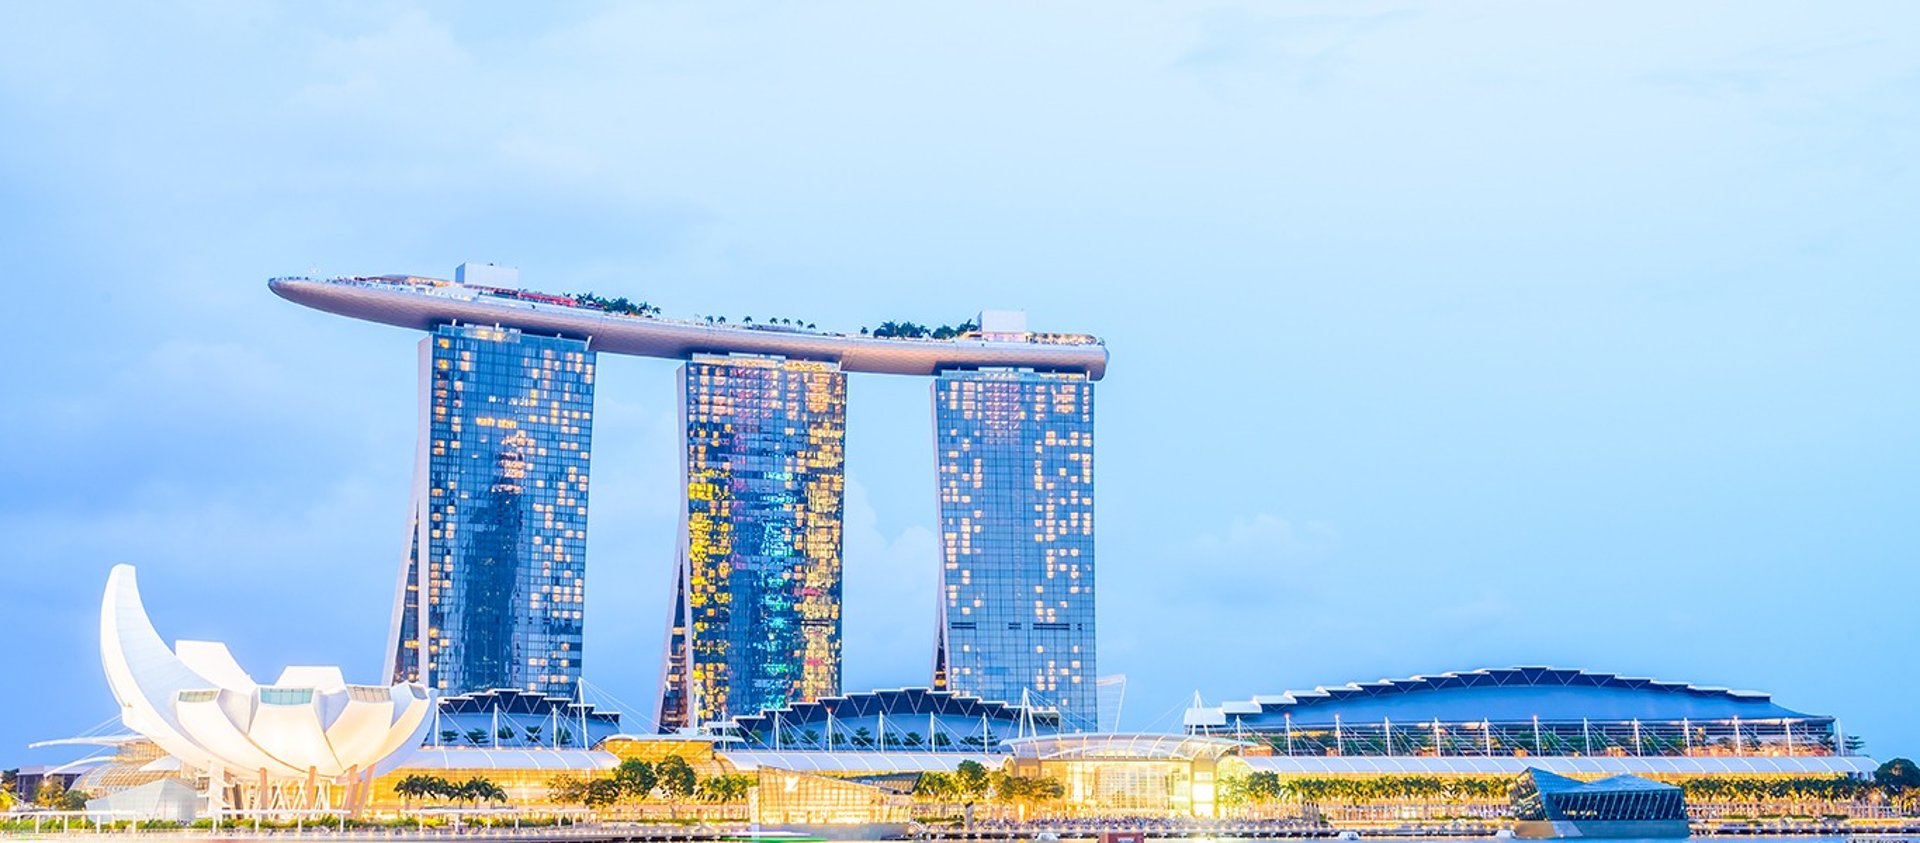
<point>288,744</point>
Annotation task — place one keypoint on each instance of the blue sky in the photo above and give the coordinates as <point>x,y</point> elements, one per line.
<point>1444,335</point>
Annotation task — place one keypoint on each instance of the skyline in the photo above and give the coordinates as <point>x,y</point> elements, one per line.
<point>1534,336</point>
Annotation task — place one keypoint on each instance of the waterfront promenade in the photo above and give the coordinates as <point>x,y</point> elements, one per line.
<point>1899,831</point>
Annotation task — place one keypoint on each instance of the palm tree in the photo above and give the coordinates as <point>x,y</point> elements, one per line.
<point>410,788</point>
<point>478,789</point>
<point>476,736</point>
<point>440,788</point>
<point>448,736</point>
<point>725,788</point>
<point>533,734</point>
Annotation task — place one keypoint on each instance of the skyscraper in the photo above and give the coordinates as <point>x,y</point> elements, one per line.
<point>1015,471</point>
<point>491,590</point>
<point>756,615</point>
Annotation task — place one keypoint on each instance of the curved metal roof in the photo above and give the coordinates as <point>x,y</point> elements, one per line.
<point>811,761</point>
<point>1584,765</point>
<point>1514,694</point>
<point>423,304</point>
<point>897,702</point>
<point>1122,747</point>
<point>558,760</point>
<point>519,701</point>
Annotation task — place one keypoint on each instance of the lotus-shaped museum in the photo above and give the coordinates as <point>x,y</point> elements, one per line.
<point>196,703</point>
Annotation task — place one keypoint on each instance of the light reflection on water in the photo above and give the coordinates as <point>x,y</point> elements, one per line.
<point>1389,838</point>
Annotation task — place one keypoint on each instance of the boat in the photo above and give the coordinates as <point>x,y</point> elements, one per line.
<point>1548,806</point>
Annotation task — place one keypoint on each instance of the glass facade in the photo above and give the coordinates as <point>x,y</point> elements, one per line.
<point>756,616</point>
<point>1542,796</point>
<point>492,589</point>
<point>1015,474</point>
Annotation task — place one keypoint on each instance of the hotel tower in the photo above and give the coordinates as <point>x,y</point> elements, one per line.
<point>756,607</point>
<point>492,586</point>
<point>1014,451</point>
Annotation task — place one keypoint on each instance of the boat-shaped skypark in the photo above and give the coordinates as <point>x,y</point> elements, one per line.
<point>493,580</point>
<point>426,303</point>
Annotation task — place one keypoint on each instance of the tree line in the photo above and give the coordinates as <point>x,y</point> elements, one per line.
<point>913,330</point>
<point>1897,780</point>
<point>1265,787</point>
<point>52,794</point>
<point>972,782</point>
<point>472,791</point>
<point>671,779</point>
<point>617,304</point>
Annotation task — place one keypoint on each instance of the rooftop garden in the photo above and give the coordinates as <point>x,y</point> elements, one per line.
<point>910,330</point>
<point>623,306</point>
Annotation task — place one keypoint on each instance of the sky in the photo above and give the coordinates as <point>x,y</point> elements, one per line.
<point>1444,335</point>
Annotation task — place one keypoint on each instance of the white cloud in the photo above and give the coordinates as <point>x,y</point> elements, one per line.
<point>889,590</point>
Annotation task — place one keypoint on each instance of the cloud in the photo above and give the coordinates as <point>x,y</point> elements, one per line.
<point>1302,49</point>
<point>1388,364</point>
<point>890,593</point>
<point>1261,558</point>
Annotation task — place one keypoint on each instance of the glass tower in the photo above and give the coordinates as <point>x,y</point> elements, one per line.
<point>492,587</point>
<point>1015,455</point>
<point>756,614</point>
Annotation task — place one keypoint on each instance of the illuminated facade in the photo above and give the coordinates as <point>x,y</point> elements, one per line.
<point>1015,461</point>
<point>756,613</point>
<point>1522,711</point>
<point>492,588</point>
